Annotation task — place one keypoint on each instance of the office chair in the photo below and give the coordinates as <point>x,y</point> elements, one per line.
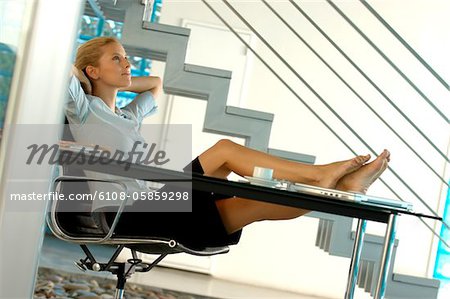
<point>73,221</point>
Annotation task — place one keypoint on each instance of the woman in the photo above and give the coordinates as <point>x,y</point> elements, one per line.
<point>103,69</point>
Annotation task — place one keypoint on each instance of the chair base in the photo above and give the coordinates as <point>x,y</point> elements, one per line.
<point>123,271</point>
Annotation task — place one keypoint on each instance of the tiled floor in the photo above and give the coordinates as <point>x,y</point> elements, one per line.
<point>60,255</point>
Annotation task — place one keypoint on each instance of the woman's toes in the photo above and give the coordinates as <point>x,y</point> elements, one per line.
<point>361,179</point>
<point>385,154</point>
<point>360,160</point>
<point>365,158</point>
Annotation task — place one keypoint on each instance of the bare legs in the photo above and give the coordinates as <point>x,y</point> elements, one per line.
<point>226,157</point>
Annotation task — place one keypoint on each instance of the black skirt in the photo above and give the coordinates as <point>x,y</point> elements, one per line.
<point>203,227</point>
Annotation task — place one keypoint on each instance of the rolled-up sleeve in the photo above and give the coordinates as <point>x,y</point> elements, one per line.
<point>77,105</point>
<point>143,105</point>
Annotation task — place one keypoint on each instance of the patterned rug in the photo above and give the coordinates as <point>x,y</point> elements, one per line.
<point>52,283</point>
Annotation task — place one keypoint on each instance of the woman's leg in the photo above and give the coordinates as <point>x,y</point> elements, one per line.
<point>239,212</point>
<point>226,156</point>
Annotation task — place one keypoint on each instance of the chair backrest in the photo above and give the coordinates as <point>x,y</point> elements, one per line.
<point>74,217</point>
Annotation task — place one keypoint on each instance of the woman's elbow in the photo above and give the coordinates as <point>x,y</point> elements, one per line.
<point>157,87</point>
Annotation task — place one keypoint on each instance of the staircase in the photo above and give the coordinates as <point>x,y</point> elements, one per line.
<point>334,235</point>
<point>169,43</point>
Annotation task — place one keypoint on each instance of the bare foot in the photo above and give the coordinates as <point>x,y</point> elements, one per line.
<point>331,173</point>
<point>360,180</point>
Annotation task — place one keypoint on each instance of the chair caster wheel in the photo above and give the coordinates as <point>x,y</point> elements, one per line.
<point>96,267</point>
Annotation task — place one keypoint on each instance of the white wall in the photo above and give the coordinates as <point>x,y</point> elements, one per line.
<point>282,254</point>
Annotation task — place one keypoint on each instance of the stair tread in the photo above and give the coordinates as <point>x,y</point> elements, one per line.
<point>166,28</point>
<point>304,158</point>
<point>373,238</point>
<point>422,281</point>
<point>207,70</point>
<point>249,113</point>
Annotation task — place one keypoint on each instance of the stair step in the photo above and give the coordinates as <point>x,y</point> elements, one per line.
<point>319,232</point>
<point>166,28</point>
<point>328,236</point>
<point>362,273</point>
<point>369,277</point>
<point>369,238</point>
<point>322,234</point>
<point>248,113</point>
<point>405,286</point>
<point>209,71</point>
<point>304,158</point>
<point>145,53</point>
<point>414,280</point>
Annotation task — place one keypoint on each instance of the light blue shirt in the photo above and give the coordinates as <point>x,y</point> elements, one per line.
<point>93,122</point>
<point>88,109</point>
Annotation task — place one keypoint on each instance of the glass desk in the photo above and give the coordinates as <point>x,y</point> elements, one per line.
<point>296,199</point>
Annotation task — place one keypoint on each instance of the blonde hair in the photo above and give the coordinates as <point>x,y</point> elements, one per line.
<point>90,52</point>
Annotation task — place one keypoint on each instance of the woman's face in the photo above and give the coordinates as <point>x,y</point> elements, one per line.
<point>113,67</point>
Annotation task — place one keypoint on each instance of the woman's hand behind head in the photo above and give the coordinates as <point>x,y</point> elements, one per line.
<point>85,83</point>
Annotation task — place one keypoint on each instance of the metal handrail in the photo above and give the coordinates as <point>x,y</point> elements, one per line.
<point>354,91</point>
<point>368,79</point>
<point>389,61</point>
<point>405,44</point>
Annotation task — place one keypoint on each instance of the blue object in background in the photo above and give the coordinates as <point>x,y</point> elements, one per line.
<point>7,62</point>
<point>156,11</point>
<point>442,263</point>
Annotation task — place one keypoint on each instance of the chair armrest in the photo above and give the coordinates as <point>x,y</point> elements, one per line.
<point>110,232</point>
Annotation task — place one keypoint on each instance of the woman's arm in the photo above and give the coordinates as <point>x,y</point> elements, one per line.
<point>77,103</point>
<point>84,81</point>
<point>146,83</point>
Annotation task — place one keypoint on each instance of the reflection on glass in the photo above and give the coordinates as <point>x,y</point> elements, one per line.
<point>89,26</point>
<point>94,26</point>
<point>11,23</point>
<point>7,61</point>
<point>156,15</point>
<point>111,28</point>
<point>135,63</point>
<point>148,66</point>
